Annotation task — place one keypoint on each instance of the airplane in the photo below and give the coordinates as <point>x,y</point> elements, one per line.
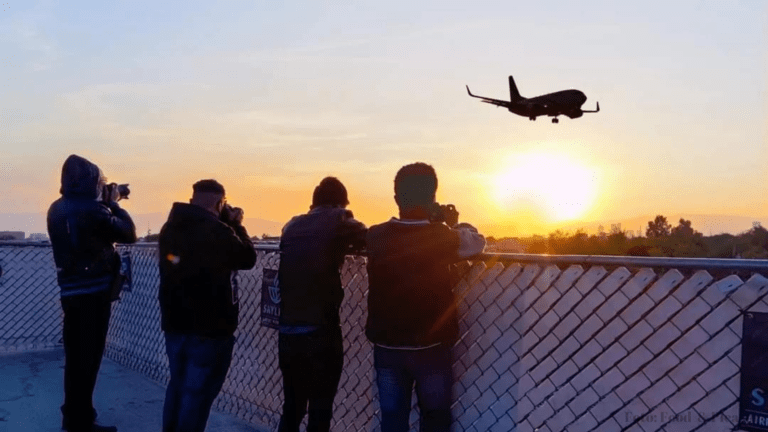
<point>566,102</point>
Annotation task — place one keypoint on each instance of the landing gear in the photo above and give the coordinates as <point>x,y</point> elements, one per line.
<point>532,118</point>
<point>555,120</point>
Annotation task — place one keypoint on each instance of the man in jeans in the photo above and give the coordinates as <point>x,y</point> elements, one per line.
<point>312,250</point>
<point>202,244</point>
<point>412,311</point>
<point>84,225</point>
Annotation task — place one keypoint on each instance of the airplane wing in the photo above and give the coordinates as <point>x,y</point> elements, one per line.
<point>501,103</point>
<point>489,100</point>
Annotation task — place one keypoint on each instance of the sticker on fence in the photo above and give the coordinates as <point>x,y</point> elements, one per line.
<point>125,271</point>
<point>753,410</point>
<point>270,299</point>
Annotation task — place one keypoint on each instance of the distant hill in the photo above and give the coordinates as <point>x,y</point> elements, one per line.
<point>35,223</point>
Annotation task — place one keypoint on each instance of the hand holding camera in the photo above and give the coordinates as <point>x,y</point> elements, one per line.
<point>444,213</point>
<point>232,215</point>
<point>114,192</point>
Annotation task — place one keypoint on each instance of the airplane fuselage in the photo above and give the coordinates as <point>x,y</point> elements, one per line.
<point>565,102</point>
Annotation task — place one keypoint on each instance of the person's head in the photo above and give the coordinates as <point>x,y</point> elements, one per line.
<point>81,178</point>
<point>210,195</point>
<point>415,186</point>
<point>330,192</point>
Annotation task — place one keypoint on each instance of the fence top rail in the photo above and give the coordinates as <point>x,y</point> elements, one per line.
<point>757,265</point>
<point>754,265</point>
<point>726,264</point>
<point>25,243</point>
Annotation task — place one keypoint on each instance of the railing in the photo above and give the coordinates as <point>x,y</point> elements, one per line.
<point>549,343</point>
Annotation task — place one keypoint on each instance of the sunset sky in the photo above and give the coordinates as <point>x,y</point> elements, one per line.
<point>269,98</point>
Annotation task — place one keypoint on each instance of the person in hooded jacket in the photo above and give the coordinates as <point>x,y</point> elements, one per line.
<point>202,245</point>
<point>310,352</point>
<point>83,227</point>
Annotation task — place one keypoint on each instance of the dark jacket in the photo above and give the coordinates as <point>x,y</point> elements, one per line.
<point>83,231</point>
<point>410,297</point>
<point>198,256</point>
<point>312,250</point>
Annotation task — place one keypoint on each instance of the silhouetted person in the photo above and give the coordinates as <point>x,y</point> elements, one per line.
<point>201,246</point>
<point>412,311</point>
<point>313,247</point>
<point>83,226</point>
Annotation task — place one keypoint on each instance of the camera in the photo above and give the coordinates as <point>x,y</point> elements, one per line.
<point>226,213</point>
<point>443,213</point>
<point>231,215</point>
<point>122,191</point>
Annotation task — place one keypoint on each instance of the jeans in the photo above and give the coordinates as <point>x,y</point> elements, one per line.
<point>198,366</point>
<point>311,365</point>
<point>86,321</point>
<point>430,370</point>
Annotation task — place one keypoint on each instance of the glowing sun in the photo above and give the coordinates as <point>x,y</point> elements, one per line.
<point>559,186</point>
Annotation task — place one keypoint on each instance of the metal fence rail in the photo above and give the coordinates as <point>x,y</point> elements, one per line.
<point>548,343</point>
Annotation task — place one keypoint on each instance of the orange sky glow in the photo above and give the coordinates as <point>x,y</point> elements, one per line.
<point>270,99</point>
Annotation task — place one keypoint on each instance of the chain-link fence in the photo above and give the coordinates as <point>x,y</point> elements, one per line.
<point>547,343</point>
<point>30,310</point>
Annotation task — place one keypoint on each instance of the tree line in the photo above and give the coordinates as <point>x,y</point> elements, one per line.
<point>661,240</point>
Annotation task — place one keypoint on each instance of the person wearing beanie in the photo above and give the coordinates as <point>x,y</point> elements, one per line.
<point>310,353</point>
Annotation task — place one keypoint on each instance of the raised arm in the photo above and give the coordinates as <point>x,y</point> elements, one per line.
<point>119,224</point>
<point>471,242</point>
<point>352,232</point>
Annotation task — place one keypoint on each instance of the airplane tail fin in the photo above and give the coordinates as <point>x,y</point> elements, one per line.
<point>514,95</point>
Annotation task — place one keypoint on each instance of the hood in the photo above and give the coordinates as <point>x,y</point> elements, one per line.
<point>80,178</point>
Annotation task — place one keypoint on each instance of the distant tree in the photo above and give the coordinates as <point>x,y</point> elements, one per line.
<point>617,243</point>
<point>658,227</point>
<point>756,240</point>
<point>639,250</point>
<point>724,245</point>
<point>600,231</point>
<point>758,236</point>
<point>557,242</point>
<point>7,237</point>
<point>684,229</point>
<point>537,245</point>
<point>579,243</point>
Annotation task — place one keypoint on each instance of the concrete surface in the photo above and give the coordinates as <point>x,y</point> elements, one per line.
<point>32,390</point>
